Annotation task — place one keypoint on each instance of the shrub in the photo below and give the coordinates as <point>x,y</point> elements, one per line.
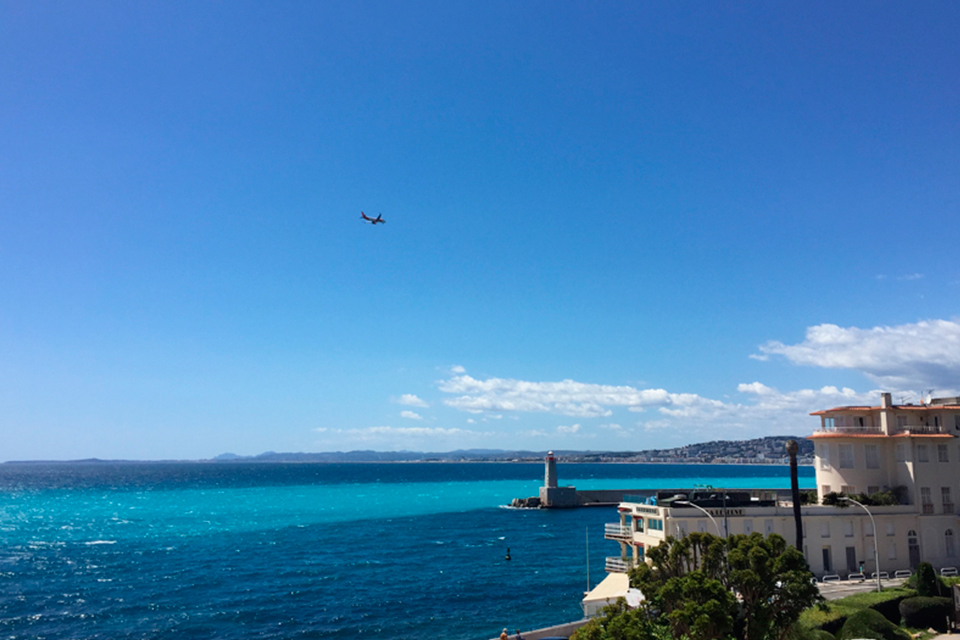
<point>928,583</point>
<point>831,616</point>
<point>923,613</point>
<point>868,623</point>
<point>890,609</point>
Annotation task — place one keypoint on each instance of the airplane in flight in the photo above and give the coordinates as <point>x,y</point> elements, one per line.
<point>373,221</point>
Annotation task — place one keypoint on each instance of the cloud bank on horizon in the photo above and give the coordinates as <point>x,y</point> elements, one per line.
<point>905,360</point>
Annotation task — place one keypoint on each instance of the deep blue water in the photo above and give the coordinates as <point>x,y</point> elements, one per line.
<point>242,550</point>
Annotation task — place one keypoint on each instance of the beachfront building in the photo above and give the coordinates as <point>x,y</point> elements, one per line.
<point>909,450</point>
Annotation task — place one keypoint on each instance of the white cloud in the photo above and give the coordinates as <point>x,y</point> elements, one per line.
<point>457,369</point>
<point>571,429</point>
<point>922,355</point>
<point>610,427</point>
<point>410,415</point>
<point>566,397</point>
<point>411,400</point>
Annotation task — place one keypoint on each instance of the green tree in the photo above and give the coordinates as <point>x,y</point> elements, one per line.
<point>617,622</point>
<point>682,585</point>
<point>701,585</point>
<point>773,582</point>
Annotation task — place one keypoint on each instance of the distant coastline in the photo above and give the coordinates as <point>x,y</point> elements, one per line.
<point>759,451</point>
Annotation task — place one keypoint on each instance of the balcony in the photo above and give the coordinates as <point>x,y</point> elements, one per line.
<point>921,429</point>
<point>853,429</point>
<point>616,531</point>
<point>616,564</point>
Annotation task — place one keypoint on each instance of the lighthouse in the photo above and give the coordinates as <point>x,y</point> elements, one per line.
<point>550,471</point>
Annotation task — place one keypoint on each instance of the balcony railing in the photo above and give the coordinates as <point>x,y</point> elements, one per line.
<point>616,564</point>
<point>927,508</point>
<point>853,429</point>
<point>616,531</point>
<point>949,508</point>
<point>921,428</point>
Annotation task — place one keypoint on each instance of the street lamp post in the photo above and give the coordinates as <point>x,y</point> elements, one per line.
<point>699,508</point>
<point>876,550</point>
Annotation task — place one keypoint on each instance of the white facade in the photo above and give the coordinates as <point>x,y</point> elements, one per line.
<point>857,450</point>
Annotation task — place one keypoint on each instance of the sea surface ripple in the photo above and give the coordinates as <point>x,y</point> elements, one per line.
<point>256,550</point>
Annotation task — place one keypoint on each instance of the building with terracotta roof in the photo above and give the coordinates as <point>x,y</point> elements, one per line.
<point>911,451</point>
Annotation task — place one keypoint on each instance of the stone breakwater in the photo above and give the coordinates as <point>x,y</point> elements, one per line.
<point>571,498</point>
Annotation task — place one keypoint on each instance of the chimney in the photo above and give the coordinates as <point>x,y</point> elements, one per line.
<point>886,418</point>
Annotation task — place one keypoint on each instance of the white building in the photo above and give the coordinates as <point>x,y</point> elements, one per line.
<point>857,450</point>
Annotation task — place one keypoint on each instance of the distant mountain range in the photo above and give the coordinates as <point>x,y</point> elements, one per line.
<point>769,450</point>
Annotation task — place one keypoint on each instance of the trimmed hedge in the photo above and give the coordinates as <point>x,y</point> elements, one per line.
<point>831,616</point>
<point>871,624</point>
<point>890,609</point>
<point>923,613</point>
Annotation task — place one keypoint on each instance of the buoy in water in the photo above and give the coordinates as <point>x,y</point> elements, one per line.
<point>508,553</point>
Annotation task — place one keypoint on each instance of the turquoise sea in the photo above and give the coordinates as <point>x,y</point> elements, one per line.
<point>253,550</point>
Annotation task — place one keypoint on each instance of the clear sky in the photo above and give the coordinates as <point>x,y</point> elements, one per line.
<point>616,225</point>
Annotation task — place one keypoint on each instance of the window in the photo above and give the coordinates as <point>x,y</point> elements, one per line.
<point>949,544</point>
<point>827,564</point>
<point>638,522</point>
<point>825,489</point>
<point>942,455</point>
<point>846,456</point>
<point>873,458</point>
<point>901,422</point>
<point>825,529</point>
<point>872,489</point>
<point>901,453</point>
<point>848,528</point>
<point>946,499</point>
<point>824,456</point>
<point>654,524</point>
<point>891,529</point>
<point>868,529</point>
<point>639,554</point>
<point>848,489</point>
<point>926,500</point>
<point>922,454</point>
<point>828,423</point>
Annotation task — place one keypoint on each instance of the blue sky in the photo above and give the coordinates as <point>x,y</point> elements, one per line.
<point>609,226</point>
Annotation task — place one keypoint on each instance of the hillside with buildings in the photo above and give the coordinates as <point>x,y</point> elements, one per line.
<point>769,450</point>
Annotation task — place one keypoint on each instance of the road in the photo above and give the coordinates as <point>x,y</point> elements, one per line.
<point>844,588</point>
